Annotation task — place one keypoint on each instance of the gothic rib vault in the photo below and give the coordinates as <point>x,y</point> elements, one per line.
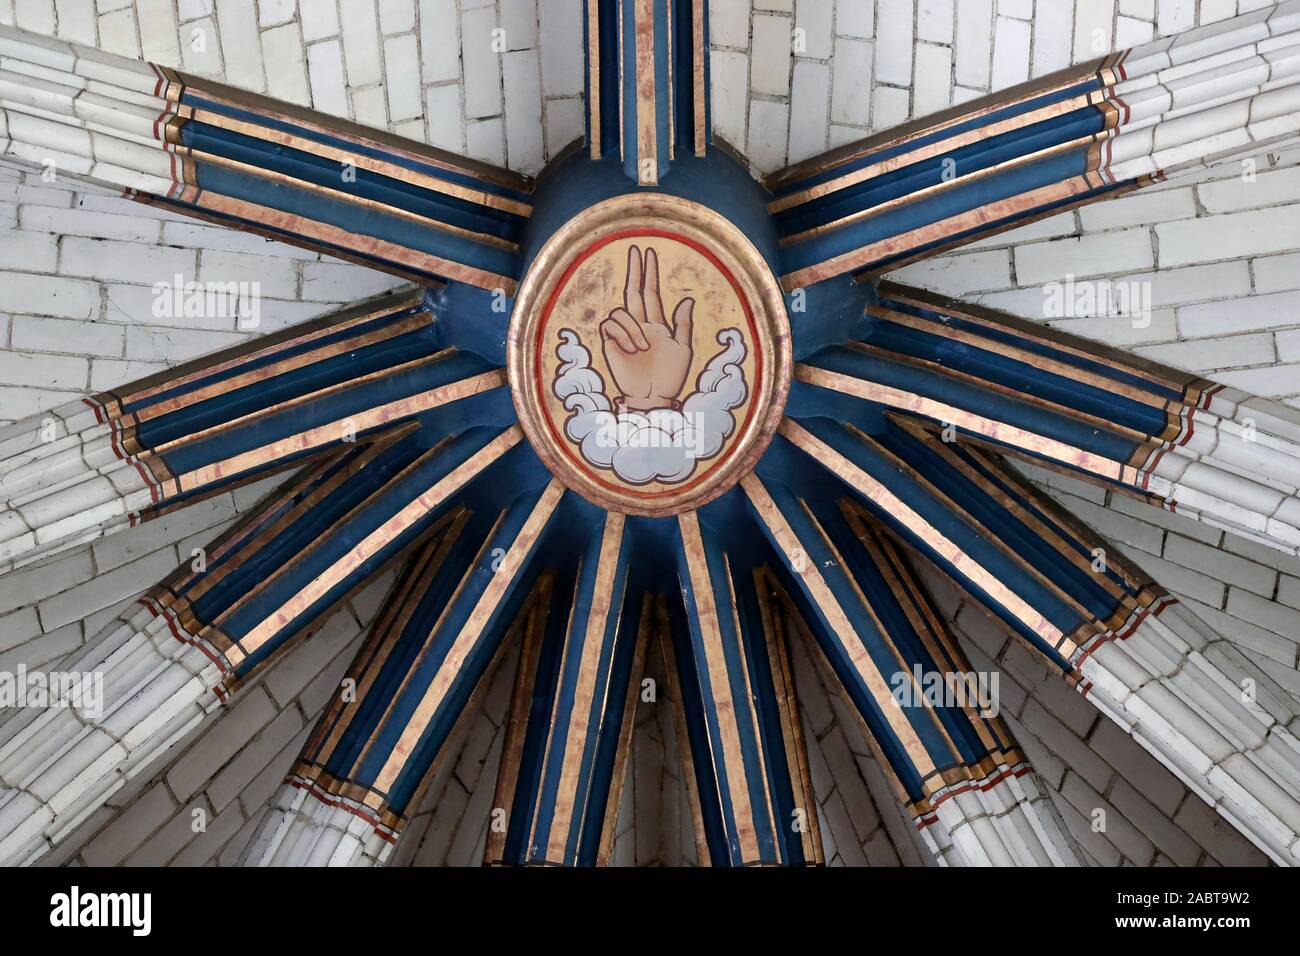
<point>646,405</point>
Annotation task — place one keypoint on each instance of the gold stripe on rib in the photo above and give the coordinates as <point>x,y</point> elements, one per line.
<point>942,412</point>
<point>511,565</point>
<point>310,232</point>
<point>343,195</point>
<point>336,430</point>
<point>789,544</point>
<point>867,485</point>
<point>647,147</point>
<point>593,77</point>
<point>391,529</point>
<point>723,702</point>
<point>875,252</point>
<point>567,798</point>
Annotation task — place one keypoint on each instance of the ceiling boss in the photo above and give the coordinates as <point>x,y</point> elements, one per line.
<point>649,353</point>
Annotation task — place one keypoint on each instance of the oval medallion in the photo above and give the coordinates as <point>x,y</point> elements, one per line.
<point>649,354</point>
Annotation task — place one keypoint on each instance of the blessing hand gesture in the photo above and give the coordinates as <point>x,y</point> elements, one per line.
<point>648,358</point>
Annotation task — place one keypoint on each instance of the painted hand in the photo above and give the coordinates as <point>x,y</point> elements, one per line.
<point>648,358</point>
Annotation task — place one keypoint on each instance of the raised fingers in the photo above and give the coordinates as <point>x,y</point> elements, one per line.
<point>654,308</point>
<point>632,297</point>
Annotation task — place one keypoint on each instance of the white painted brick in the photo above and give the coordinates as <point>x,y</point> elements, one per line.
<point>771,57</point>
<point>159,40</point>
<point>1193,584</point>
<point>485,141</point>
<point>1239,315</point>
<point>28,251</point>
<point>43,371</point>
<point>1288,345</point>
<point>1010,53</point>
<point>1230,235</point>
<point>1218,280</point>
<point>523,92</point>
<point>1093,21</point>
<point>729,23</point>
<point>768,125</point>
<point>129,261</point>
<point>134,543</point>
<point>200,47</point>
<point>519,18</point>
<point>565,122</point>
<point>145,343</point>
<point>273,12</point>
<point>440,48</point>
<point>246,765</point>
<point>83,222</point>
<point>1053,26</point>
<point>1269,188</point>
<point>815,18</point>
<point>63,335</point>
<point>1206,355</point>
<point>854,18</point>
<point>482,64</point>
<point>319,20</point>
<point>1263,612</point>
<point>117,33</point>
<point>933,85</point>
<point>1280,381</point>
<point>1218,563</point>
<point>1130,32</point>
<point>397,16</point>
<point>124,833</point>
<point>730,95</point>
<point>402,69</point>
<point>1116,252</point>
<point>1136,765</point>
<point>360,43</point>
<point>325,68</point>
<point>193,9</point>
<point>110,373</point>
<point>446,128</point>
<point>809,95</point>
<point>1276,273</point>
<point>851,82</point>
<point>890,107</point>
<point>240,43</point>
<point>958,275</point>
<point>106,589</point>
<point>893,50</point>
<point>974,42</point>
<point>934,20</point>
<point>560,28</point>
<point>332,281</point>
<point>1138,208</point>
<point>286,64</point>
<point>1175,16</point>
<point>224,738</point>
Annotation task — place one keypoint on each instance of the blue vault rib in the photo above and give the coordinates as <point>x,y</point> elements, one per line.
<point>202,634</point>
<point>1176,440</point>
<point>1085,133</point>
<point>954,765</point>
<point>373,751</point>
<point>647,82</point>
<point>139,451</point>
<point>259,165</point>
<point>1138,654</point>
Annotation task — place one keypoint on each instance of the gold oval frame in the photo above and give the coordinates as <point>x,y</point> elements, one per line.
<point>760,286</point>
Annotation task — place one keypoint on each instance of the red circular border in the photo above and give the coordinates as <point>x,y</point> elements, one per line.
<point>561,440</point>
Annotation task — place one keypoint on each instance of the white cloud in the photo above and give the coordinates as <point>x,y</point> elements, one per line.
<point>660,445</point>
